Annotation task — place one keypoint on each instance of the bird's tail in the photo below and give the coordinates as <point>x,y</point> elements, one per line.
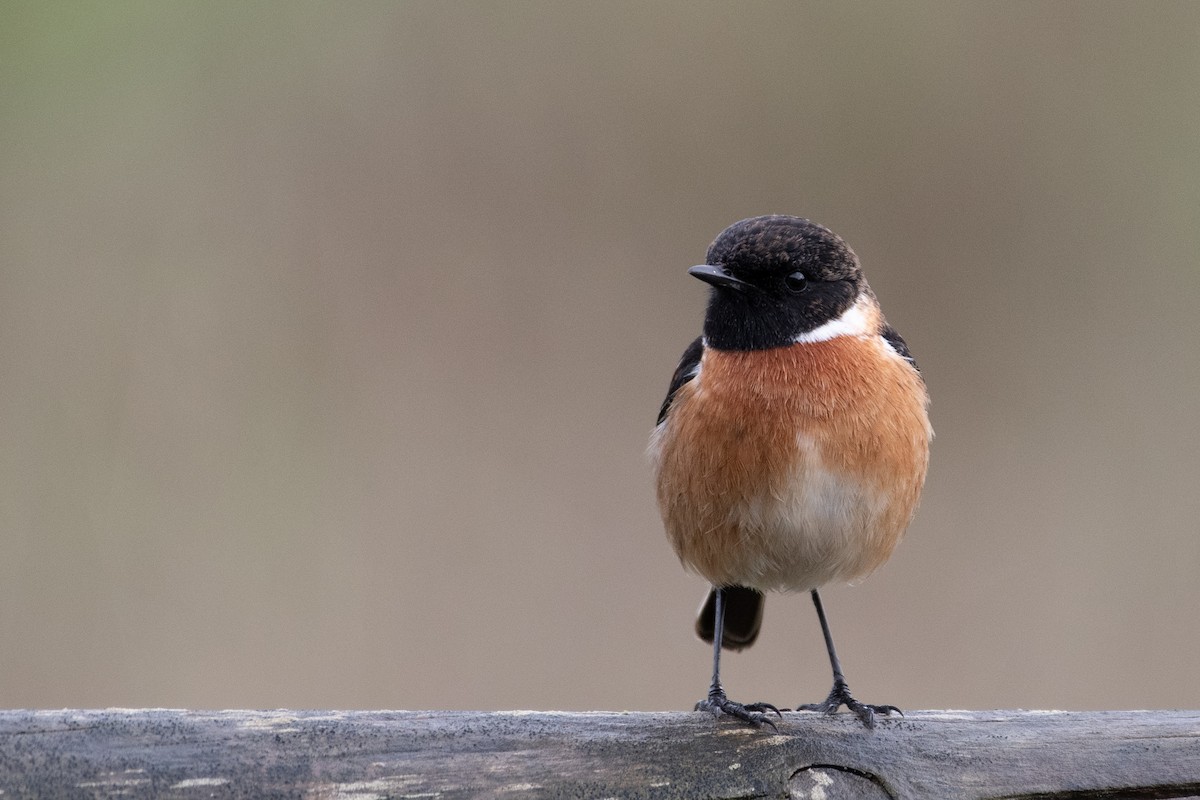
<point>743,617</point>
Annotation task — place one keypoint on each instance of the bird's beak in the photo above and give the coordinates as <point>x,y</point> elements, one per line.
<point>718,277</point>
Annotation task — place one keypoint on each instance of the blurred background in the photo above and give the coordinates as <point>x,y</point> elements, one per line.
<point>331,337</point>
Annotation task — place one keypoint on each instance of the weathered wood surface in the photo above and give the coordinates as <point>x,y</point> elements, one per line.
<point>447,754</point>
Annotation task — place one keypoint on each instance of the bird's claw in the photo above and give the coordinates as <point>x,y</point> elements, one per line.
<point>840,696</point>
<point>754,714</point>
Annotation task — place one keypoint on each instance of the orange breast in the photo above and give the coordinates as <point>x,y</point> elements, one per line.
<point>791,467</point>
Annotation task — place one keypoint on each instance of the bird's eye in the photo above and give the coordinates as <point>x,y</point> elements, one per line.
<point>796,282</point>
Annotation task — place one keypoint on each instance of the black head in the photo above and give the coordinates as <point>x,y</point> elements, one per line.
<point>775,278</point>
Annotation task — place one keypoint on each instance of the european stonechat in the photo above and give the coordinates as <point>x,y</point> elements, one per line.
<point>792,445</point>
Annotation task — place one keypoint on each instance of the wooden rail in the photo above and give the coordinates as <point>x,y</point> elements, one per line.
<point>360,755</point>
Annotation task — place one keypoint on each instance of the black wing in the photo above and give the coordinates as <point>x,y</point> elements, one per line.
<point>898,344</point>
<point>688,366</point>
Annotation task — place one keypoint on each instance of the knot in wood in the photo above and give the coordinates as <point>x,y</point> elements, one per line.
<point>826,782</point>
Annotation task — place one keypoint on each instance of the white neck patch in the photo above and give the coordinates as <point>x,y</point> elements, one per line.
<point>854,321</point>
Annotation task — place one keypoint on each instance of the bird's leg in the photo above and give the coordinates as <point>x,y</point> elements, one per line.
<point>717,703</point>
<point>840,696</point>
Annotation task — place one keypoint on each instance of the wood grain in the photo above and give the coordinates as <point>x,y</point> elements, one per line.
<point>452,754</point>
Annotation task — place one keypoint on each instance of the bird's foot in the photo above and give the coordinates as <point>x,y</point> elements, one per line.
<point>840,696</point>
<point>754,714</point>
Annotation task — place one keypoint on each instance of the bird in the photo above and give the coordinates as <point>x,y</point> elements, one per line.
<point>793,443</point>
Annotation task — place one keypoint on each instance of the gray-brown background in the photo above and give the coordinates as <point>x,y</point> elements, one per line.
<point>331,336</point>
